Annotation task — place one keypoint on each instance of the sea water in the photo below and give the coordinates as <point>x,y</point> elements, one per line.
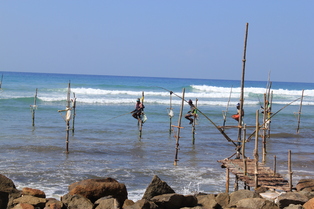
<point>105,141</point>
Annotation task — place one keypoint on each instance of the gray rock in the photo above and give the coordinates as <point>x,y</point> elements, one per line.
<point>157,187</point>
<point>169,201</point>
<point>241,194</point>
<point>256,203</point>
<point>76,201</point>
<point>207,201</point>
<point>294,198</point>
<point>142,204</point>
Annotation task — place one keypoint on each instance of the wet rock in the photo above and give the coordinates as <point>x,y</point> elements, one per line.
<point>53,204</point>
<point>76,201</point>
<point>207,201</point>
<point>94,189</point>
<point>307,184</point>
<point>294,198</point>
<point>33,192</point>
<point>157,187</point>
<point>142,204</point>
<point>169,201</point>
<point>223,199</point>
<point>35,201</point>
<point>256,203</point>
<point>241,194</point>
<point>8,192</point>
<point>107,203</point>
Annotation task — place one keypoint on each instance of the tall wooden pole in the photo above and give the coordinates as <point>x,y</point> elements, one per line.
<point>170,114</point>
<point>290,170</point>
<point>299,113</point>
<point>193,125</point>
<point>74,112</point>
<point>256,149</point>
<point>34,108</point>
<point>68,117</point>
<point>264,129</point>
<point>242,88</point>
<point>179,127</point>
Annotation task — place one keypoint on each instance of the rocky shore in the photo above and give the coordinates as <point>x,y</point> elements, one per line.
<point>108,193</point>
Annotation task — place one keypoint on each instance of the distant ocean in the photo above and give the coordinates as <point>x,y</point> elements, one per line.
<point>106,144</point>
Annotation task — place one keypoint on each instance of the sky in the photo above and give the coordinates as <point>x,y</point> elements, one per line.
<point>177,38</point>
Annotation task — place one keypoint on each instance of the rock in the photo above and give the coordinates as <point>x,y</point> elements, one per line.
<point>35,201</point>
<point>270,195</point>
<point>53,204</point>
<point>8,192</point>
<point>291,206</point>
<point>305,184</point>
<point>94,189</point>
<point>157,187</point>
<point>256,203</point>
<point>76,201</point>
<point>33,192</point>
<point>169,201</point>
<point>241,194</point>
<point>223,199</point>
<point>23,206</point>
<point>106,203</point>
<point>207,201</point>
<point>189,201</point>
<point>309,204</point>
<point>142,204</point>
<point>127,202</point>
<point>288,198</point>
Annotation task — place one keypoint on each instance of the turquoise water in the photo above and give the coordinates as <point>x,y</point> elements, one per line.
<point>106,144</point>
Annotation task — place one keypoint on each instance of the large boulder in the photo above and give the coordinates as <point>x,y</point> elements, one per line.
<point>35,201</point>
<point>52,203</point>
<point>8,192</point>
<point>256,203</point>
<point>106,203</point>
<point>241,194</point>
<point>169,201</point>
<point>157,187</point>
<point>307,184</point>
<point>294,198</point>
<point>33,192</point>
<point>23,206</point>
<point>142,204</point>
<point>223,199</point>
<point>94,189</point>
<point>207,200</point>
<point>309,204</point>
<point>76,201</point>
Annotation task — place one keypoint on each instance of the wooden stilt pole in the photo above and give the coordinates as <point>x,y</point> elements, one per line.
<point>236,183</point>
<point>242,88</point>
<point>243,151</point>
<point>299,113</point>
<point>256,149</point>
<point>290,170</point>
<point>140,120</point>
<point>264,129</point>
<point>275,165</point>
<point>170,113</point>
<point>68,117</point>
<point>194,123</point>
<point>74,112</point>
<point>33,108</point>
<point>178,130</point>
<point>227,179</point>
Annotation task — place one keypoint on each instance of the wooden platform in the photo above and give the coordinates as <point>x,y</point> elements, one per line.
<point>266,176</point>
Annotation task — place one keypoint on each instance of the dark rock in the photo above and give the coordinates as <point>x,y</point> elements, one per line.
<point>76,201</point>
<point>189,201</point>
<point>33,192</point>
<point>291,206</point>
<point>142,204</point>
<point>35,201</point>
<point>127,202</point>
<point>288,198</point>
<point>94,189</point>
<point>305,184</point>
<point>256,203</point>
<point>169,201</point>
<point>241,194</point>
<point>207,201</point>
<point>157,187</point>
<point>8,192</point>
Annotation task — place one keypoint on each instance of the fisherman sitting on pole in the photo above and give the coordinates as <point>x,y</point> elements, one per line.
<point>191,113</point>
<point>139,107</point>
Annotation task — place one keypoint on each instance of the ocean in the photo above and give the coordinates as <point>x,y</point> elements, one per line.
<point>105,141</point>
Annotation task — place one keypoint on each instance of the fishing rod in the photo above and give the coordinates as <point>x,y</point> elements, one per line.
<point>219,129</point>
<point>225,112</point>
<point>248,139</point>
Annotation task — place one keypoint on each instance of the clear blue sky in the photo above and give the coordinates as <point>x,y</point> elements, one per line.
<point>178,38</point>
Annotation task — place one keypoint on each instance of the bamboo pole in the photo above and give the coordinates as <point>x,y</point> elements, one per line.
<point>74,112</point>
<point>290,170</point>
<point>224,113</point>
<point>275,165</point>
<point>33,108</point>
<point>178,130</point>
<point>170,114</point>
<point>68,117</point>
<point>243,152</point>
<point>299,113</point>
<point>194,123</point>
<point>256,149</point>
<point>140,120</point>
<point>264,129</point>
<point>227,180</point>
